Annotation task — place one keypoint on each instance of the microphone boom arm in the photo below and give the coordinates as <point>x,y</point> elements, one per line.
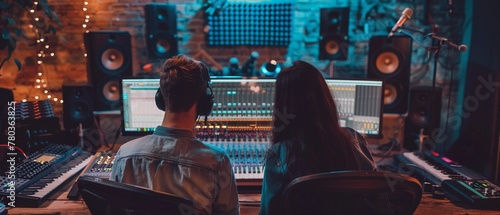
<point>443,40</point>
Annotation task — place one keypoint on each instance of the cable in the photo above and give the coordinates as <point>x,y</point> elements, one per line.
<point>16,147</point>
<point>414,38</point>
<point>449,101</point>
<point>116,137</point>
<point>101,133</point>
<point>387,153</point>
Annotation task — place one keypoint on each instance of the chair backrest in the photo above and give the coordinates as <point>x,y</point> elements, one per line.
<point>109,197</point>
<point>353,192</point>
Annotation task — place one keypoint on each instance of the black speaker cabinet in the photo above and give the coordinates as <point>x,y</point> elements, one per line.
<point>389,59</point>
<point>334,28</point>
<point>77,106</point>
<point>424,116</point>
<point>161,30</point>
<point>109,58</point>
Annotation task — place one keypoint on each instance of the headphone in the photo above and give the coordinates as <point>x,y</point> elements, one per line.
<point>205,102</point>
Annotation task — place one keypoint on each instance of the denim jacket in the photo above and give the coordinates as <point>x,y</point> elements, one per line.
<point>174,161</point>
<point>277,174</point>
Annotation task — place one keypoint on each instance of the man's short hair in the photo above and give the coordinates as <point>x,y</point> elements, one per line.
<point>182,82</point>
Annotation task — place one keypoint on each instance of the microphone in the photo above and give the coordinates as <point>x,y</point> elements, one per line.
<point>405,16</point>
<point>234,66</point>
<point>462,48</point>
<point>248,68</point>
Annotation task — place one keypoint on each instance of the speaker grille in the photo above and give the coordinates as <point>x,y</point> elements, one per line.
<point>333,33</point>
<point>109,58</point>
<point>424,114</point>
<point>389,59</point>
<point>78,105</point>
<point>161,30</point>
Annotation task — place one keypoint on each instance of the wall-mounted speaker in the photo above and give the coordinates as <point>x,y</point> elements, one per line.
<point>109,58</point>
<point>161,30</point>
<point>78,105</point>
<point>334,28</point>
<point>389,59</point>
<point>424,116</point>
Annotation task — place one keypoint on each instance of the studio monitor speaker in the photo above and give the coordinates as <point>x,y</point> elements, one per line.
<point>389,59</point>
<point>161,30</point>
<point>109,58</point>
<point>424,116</point>
<point>77,106</point>
<point>334,28</point>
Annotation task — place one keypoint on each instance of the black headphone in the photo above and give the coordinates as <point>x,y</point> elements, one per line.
<point>205,102</point>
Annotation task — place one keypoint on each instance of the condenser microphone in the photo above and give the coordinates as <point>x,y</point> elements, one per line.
<point>405,16</point>
<point>462,48</point>
<point>248,68</point>
<point>234,66</point>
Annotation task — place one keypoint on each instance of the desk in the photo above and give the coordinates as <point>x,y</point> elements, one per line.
<point>249,205</point>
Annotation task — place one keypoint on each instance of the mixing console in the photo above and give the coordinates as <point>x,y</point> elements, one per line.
<point>99,167</point>
<point>245,140</point>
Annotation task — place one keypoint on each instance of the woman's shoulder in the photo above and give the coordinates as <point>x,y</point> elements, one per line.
<point>275,149</point>
<point>354,134</point>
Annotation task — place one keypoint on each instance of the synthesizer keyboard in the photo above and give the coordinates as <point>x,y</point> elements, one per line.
<point>41,175</point>
<point>435,168</point>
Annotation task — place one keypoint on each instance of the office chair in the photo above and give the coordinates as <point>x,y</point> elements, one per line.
<point>353,192</point>
<point>104,197</point>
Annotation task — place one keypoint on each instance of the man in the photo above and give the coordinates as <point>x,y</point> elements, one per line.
<point>172,160</point>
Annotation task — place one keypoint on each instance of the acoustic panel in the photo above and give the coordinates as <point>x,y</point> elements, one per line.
<point>252,24</point>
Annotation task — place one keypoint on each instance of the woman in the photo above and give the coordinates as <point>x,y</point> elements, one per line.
<point>307,137</point>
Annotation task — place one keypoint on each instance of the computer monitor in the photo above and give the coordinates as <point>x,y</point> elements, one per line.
<point>359,103</point>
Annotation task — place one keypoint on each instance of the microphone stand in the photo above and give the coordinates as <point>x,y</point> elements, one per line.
<point>437,42</point>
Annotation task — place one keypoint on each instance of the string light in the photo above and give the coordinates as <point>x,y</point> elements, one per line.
<point>40,81</point>
<point>86,21</point>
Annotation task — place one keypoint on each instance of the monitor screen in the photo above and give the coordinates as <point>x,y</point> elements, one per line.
<point>359,103</point>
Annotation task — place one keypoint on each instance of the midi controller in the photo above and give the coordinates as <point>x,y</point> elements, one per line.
<point>42,174</point>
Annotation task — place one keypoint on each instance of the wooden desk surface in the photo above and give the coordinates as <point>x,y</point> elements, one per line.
<point>249,205</point>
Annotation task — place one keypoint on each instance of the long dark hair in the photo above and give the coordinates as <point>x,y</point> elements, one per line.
<point>305,117</point>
